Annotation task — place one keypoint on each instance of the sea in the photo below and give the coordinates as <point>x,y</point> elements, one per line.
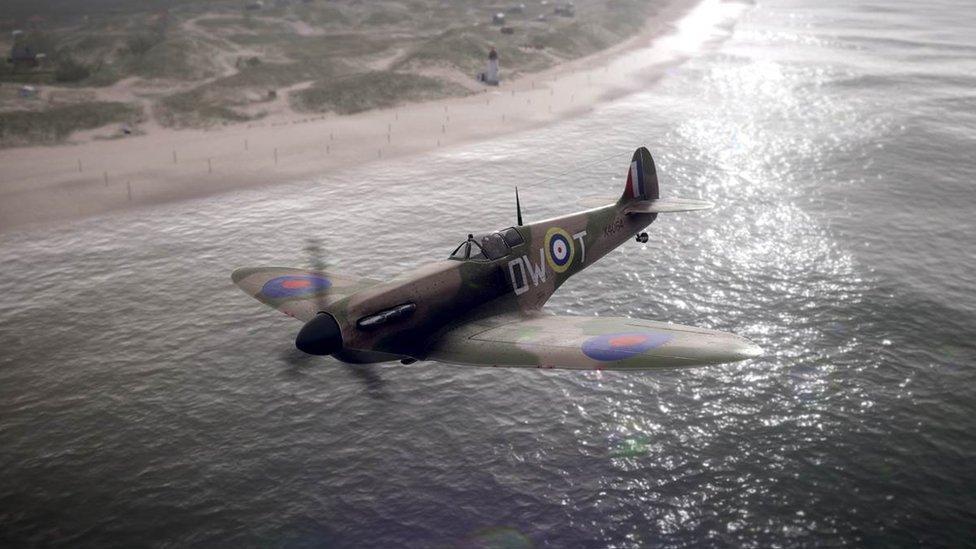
<point>146,401</point>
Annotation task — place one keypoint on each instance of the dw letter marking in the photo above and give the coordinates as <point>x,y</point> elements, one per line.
<point>521,265</point>
<point>519,282</point>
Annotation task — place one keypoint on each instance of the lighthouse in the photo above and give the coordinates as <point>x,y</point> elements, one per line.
<point>490,76</point>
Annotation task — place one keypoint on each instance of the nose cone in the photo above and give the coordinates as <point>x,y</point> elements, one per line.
<point>320,336</point>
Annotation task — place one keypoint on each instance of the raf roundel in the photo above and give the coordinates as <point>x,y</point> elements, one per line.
<point>619,346</point>
<point>559,249</point>
<point>290,286</point>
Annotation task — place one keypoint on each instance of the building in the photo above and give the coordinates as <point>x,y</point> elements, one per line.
<point>566,10</point>
<point>490,76</point>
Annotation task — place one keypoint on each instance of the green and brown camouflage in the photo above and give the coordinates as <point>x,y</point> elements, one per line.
<point>483,305</point>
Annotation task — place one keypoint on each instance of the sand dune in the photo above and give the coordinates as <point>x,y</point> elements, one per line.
<point>42,184</point>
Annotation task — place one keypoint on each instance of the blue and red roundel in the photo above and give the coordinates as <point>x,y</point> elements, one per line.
<point>559,249</point>
<point>559,246</point>
<point>302,285</point>
<point>610,347</point>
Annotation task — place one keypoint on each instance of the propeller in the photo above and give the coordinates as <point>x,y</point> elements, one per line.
<point>296,359</point>
<point>321,335</point>
<point>315,251</point>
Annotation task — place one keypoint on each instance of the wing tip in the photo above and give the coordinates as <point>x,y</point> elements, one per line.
<point>240,274</point>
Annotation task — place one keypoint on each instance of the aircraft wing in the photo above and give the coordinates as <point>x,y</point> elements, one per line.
<point>297,292</point>
<point>587,343</point>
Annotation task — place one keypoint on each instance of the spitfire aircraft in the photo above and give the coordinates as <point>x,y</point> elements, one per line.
<point>483,305</point>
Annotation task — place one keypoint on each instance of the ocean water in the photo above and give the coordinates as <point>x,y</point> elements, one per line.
<point>144,400</point>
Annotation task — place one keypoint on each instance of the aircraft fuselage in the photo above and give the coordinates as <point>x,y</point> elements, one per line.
<point>444,293</point>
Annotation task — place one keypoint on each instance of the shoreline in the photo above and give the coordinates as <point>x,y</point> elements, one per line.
<point>45,184</point>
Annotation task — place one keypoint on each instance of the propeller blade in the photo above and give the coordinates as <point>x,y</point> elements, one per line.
<point>313,247</point>
<point>321,335</point>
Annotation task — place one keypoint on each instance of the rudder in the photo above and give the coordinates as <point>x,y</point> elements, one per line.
<point>641,178</point>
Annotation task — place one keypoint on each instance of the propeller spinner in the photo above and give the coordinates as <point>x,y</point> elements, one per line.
<point>321,335</point>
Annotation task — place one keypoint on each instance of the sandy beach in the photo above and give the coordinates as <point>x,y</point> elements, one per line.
<point>44,184</point>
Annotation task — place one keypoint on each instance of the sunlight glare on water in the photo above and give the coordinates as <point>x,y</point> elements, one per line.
<point>142,396</point>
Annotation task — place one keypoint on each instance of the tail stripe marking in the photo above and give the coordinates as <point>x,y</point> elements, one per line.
<point>629,190</point>
<point>635,180</point>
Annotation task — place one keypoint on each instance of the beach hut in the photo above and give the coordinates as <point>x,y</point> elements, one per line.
<point>25,57</point>
<point>21,53</point>
<point>566,10</point>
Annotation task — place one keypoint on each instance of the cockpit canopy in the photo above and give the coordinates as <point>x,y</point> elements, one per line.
<point>488,247</point>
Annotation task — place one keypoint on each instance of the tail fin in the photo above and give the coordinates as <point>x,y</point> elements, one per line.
<point>641,178</point>
<point>641,195</point>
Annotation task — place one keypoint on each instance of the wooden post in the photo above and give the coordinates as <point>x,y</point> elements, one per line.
<point>209,166</point>
<point>79,165</point>
<point>245,144</point>
<point>128,188</point>
<point>276,156</point>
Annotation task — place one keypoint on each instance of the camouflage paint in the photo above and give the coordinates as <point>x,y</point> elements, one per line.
<point>487,312</point>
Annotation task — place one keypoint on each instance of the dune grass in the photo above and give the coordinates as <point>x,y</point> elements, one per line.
<point>196,108</point>
<point>54,125</point>
<point>377,89</point>
<point>360,55</point>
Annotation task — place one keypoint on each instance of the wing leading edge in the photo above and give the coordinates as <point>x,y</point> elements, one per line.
<point>588,343</point>
<point>297,292</point>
